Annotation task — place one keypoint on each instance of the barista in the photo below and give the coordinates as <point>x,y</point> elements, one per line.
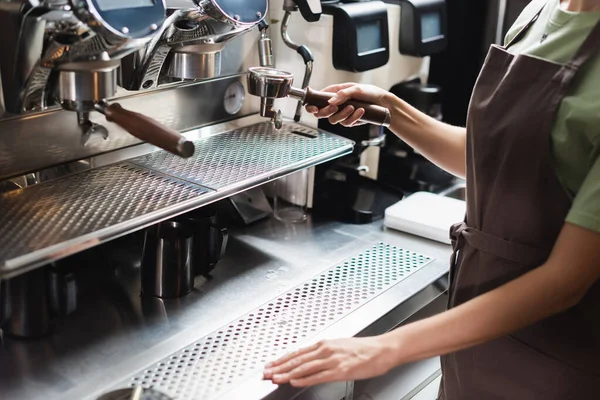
<point>524,297</point>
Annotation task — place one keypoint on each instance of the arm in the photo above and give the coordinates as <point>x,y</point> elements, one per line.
<point>442,144</point>
<point>572,268</point>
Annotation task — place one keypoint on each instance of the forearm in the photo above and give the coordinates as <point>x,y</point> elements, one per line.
<point>515,305</point>
<point>442,144</point>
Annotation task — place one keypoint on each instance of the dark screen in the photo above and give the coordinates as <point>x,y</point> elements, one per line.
<point>431,25</point>
<point>368,36</point>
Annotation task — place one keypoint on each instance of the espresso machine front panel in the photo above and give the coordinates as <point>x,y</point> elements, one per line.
<point>55,138</point>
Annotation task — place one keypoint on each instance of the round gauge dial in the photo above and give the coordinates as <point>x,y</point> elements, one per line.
<point>234,98</point>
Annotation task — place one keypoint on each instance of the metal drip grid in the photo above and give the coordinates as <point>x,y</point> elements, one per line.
<point>223,359</point>
<point>231,157</point>
<point>56,211</point>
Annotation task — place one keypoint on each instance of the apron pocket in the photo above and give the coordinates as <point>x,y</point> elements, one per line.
<point>507,368</point>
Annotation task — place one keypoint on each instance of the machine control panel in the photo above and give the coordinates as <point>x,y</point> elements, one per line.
<point>423,30</point>
<point>360,35</point>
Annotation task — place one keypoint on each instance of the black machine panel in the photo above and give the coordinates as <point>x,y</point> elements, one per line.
<point>360,35</point>
<point>423,29</point>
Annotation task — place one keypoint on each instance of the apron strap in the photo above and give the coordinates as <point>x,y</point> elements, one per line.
<point>523,254</point>
<point>524,29</point>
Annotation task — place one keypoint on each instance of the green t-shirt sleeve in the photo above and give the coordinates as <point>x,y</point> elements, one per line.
<point>585,211</point>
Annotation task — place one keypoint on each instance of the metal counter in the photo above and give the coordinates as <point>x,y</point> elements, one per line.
<point>115,334</point>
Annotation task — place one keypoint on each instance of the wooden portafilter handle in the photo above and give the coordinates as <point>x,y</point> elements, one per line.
<point>374,114</point>
<point>147,129</point>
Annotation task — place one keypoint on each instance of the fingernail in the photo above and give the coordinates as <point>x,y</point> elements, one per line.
<point>334,100</point>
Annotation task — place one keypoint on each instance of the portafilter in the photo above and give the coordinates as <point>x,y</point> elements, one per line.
<point>270,84</point>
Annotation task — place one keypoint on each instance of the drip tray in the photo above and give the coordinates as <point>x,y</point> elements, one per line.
<point>57,218</point>
<point>217,363</point>
<point>232,158</point>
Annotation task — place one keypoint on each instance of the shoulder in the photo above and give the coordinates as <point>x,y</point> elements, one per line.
<point>528,13</point>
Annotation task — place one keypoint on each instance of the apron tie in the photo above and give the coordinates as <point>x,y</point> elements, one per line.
<point>461,233</point>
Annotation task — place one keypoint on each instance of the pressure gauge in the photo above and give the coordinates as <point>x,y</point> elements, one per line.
<point>234,98</point>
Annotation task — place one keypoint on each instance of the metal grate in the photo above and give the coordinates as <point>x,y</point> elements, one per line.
<point>128,394</point>
<point>48,221</point>
<point>217,362</point>
<point>56,211</point>
<point>232,157</point>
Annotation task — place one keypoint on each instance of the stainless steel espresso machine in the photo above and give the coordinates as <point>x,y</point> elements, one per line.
<point>124,127</point>
<point>58,54</point>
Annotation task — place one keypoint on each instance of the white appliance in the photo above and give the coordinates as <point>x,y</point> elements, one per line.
<point>426,214</point>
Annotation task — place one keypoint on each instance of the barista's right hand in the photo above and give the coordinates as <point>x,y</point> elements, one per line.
<point>348,116</point>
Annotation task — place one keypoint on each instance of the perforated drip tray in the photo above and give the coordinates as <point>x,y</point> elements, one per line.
<point>36,219</point>
<point>218,362</point>
<point>134,394</point>
<point>51,220</point>
<point>233,157</point>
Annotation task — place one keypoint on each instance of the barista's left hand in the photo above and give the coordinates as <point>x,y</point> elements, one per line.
<point>332,360</point>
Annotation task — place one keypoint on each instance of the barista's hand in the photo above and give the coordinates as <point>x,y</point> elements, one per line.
<point>329,361</point>
<point>348,116</point>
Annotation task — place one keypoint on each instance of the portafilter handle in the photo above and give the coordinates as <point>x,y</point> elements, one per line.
<point>147,129</point>
<point>374,114</point>
<point>270,83</point>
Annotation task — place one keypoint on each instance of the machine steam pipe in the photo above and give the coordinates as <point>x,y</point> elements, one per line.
<point>304,52</point>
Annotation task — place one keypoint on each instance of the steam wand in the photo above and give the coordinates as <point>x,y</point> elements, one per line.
<point>289,6</point>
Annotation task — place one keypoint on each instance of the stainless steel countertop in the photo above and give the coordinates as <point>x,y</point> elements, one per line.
<point>114,333</point>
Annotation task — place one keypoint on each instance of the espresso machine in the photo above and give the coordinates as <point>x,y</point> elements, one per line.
<point>121,124</point>
<point>189,45</point>
<point>58,54</point>
<point>125,127</point>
